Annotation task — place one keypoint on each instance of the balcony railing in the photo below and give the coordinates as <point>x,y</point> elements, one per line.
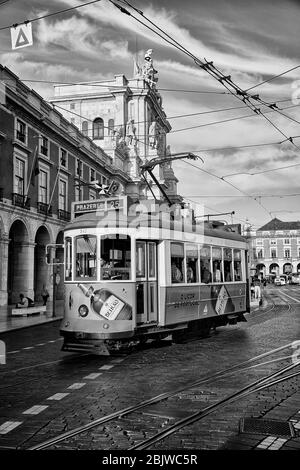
<point>64,215</point>
<point>20,200</point>
<point>44,208</point>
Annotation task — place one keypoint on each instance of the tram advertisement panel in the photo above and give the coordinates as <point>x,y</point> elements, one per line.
<point>112,302</point>
<point>201,301</point>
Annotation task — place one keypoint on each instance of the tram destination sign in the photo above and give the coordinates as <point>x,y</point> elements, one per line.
<point>100,205</point>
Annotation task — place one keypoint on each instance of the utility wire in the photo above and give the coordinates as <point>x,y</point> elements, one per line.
<point>49,14</point>
<point>230,184</point>
<point>273,78</point>
<point>226,81</point>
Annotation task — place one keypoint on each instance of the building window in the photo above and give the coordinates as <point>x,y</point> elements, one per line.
<point>19,176</point>
<point>273,253</point>
<point>43,186</point>
<point>98,129</point>
<point>298,252</point>
<point>63,158</point>
<point>44,149</point>
<point>260,253</point>
<point>259,241</point>
<point>62,196</point>
<point>85,128</point>
<point>287,253</point>
<point>21,131</point>
<point>287,241</point>
<point>111,125</point>
<point>92,194</point>
<point>273,242</point>
<point>92,174</point>
<point>78,167</point>
<point>78,194</point>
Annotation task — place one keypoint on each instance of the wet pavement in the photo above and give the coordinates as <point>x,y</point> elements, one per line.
<point>44,392</point>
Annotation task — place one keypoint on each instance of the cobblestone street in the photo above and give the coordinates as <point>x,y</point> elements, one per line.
<point>45,392</point>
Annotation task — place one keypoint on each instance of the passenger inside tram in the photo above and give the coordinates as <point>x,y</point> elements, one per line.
<point>176,273</point>
<point>217,275</point>
<point>205,271</point>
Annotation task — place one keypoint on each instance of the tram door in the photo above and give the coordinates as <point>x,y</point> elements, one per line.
<point>146,281</point>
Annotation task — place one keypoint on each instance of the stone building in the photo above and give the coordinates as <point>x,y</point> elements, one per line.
<point>275,248</point>
<point>126,118</point>
<point>45,164</point>
<point>50,154</point>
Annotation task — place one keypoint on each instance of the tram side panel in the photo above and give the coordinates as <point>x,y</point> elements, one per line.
<point>188,303</point>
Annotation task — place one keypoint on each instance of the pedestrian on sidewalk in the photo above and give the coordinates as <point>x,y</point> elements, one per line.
<point>252,289</point>
<point>45,295</point>
<point>25,302</point>
<point>257,289</point>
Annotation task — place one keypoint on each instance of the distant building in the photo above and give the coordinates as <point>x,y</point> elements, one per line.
<point>274,248</point>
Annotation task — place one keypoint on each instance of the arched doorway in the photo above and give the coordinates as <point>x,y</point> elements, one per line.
<point>59,255</point>
<point>18,271</point>
<point>261,270</point>
<point>287,268</point>
<point>274,269</point>
<point>41,268</point>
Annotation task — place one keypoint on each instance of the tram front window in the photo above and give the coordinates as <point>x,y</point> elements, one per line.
<point>85,255</point>
<point>115,262</point>
<point>237,265</point>
<point>68,259</point>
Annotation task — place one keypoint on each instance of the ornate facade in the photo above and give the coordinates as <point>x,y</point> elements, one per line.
<point>275,248</point>
<point>126,119</point>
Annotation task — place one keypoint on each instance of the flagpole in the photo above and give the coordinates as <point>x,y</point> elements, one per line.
<point>31,171</point>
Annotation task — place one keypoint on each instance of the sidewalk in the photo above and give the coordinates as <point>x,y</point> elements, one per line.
<point>9,323</point>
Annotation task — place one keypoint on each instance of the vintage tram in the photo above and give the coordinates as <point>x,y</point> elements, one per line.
<point>140,271</point>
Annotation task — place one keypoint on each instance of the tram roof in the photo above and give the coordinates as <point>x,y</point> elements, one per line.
<point>93,220</point>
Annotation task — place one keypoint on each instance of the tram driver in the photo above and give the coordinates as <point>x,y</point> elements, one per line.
<point>105,268</point>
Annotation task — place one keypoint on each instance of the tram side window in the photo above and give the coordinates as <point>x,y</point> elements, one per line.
<point>237,265</point>
<point>227,256</point>
<point>177,262</point>
<point>191,253</point>
<point>115,262</point>
<point>217,264</point>
<point>85,254</point>
<point>68,259</point>
<point>205,266</point>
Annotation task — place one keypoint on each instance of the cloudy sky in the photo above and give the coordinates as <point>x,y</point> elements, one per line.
<point>250,41</point>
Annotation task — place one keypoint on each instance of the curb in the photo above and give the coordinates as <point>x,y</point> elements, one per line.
<point>14,328</point>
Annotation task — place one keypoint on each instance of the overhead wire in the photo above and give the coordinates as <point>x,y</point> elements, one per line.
<point>207,66</point>
<point>48,15</point>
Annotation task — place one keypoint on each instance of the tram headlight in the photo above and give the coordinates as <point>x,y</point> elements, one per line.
<point>106,326</point>
<point>83,310</point>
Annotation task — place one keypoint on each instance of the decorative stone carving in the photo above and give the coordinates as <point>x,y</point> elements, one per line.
<point>148,71</point>
<point>130,133</point>
<point>153,131</point>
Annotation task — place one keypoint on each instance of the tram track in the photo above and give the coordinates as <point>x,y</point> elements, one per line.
<point>237,368</point>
